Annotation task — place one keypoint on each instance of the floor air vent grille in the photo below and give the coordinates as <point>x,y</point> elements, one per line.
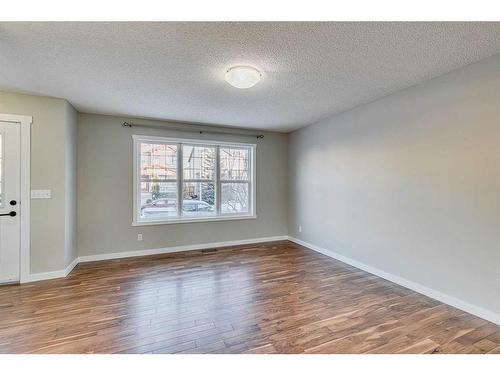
<point>208,251</point>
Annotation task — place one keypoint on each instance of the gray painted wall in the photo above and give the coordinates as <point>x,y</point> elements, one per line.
<point>49,148</point>
<point>410,184</point>
<point>105,186</point>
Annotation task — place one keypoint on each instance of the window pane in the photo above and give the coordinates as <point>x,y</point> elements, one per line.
<point>234,198</point>
<point>158,161</point>
<point>198,198</point>
<point>199,162</point>
<point>233,164</point>
<point>201,188</point>
<point>158,200</point>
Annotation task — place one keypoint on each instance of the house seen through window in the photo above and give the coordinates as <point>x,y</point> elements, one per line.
<point>185,180</point>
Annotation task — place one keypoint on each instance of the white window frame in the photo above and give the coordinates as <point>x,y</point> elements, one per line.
<point>218,216</point>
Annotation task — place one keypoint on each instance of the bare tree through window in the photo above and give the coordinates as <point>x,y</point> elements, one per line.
<point>194,180</point>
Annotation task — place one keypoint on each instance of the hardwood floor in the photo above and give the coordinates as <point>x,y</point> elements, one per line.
<point>268,298</point>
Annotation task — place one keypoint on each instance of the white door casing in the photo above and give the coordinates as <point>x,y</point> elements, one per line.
<point>14,191</point>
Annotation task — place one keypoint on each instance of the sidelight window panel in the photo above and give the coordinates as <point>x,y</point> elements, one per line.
<point>234,197</point>
<point>158,161</point>
<point>198,198</point>
<point>199,162</point>
<point>234,163</point>
<point>158,200</point>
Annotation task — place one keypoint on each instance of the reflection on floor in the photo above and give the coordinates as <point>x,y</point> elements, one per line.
<point>267,298</point>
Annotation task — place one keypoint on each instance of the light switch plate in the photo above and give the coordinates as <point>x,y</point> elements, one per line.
<point>41,194</point>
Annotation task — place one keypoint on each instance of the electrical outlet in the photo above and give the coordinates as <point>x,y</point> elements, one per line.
<point>300,228</point>
<point>41,194</point>
<point>139,237</point>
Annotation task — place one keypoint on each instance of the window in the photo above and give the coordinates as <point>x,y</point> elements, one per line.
<point>181,180</point>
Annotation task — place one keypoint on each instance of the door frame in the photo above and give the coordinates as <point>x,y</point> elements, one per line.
<point>25,203</point>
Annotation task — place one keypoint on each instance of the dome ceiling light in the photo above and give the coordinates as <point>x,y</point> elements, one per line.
<point>243,77</point>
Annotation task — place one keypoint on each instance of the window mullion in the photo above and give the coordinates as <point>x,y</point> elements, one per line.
<point>137,182</point>
<point>180,179</point>
<point>198,180</point>
<point>217,182</point>
<point>235,195</point>
<point>235,181</point>
<point>152,181</point>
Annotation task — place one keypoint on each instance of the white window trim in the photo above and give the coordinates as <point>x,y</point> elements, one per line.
<point>136,221</point>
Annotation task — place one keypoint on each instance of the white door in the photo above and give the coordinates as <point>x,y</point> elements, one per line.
<point>10,193</point>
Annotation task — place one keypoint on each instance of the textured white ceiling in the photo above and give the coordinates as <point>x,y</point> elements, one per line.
<point>175,70</point>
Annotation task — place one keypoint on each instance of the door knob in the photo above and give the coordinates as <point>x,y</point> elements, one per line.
<point>11,213</point>
<point>12,202</point>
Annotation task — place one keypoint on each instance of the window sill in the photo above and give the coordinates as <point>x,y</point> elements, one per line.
<point>193,220</point>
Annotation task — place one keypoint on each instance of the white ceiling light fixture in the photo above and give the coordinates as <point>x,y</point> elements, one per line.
<point>243,77</point>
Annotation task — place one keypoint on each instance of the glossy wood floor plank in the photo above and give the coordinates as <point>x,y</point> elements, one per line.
<point>268,298</point>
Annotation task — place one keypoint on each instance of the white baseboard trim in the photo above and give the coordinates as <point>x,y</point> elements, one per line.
<point>176,249</point>
<point>39,276</point>
<point>50,275</point>
<point>127,254</point>
<point>432,293</point>
<point>429,292</point>
<point>70,266</point>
